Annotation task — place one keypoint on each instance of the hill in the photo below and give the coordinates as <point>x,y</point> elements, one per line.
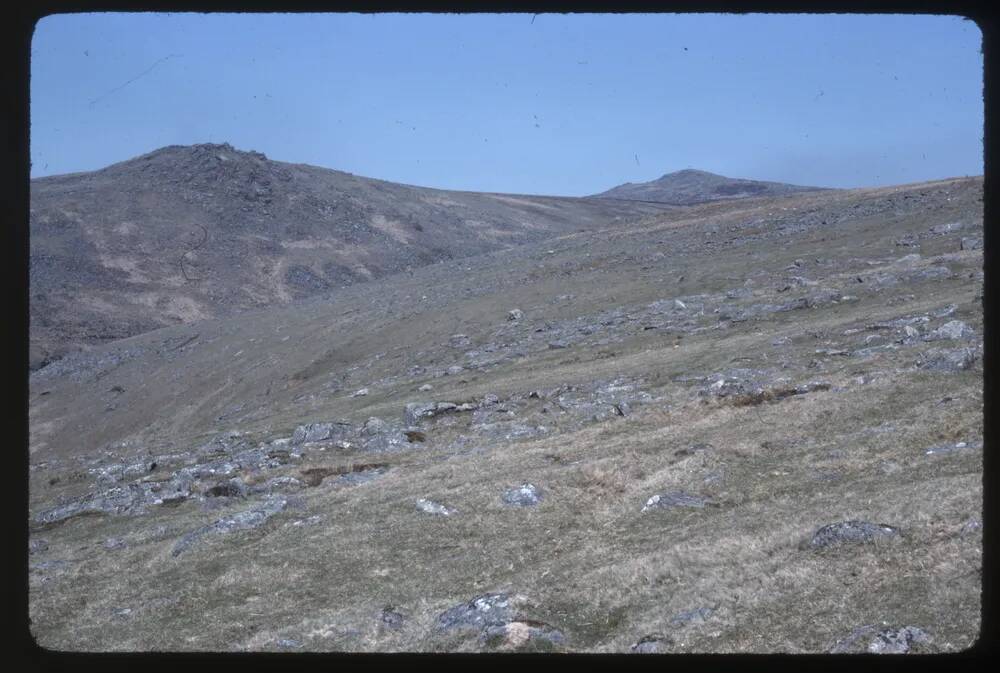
<point>747,426</point>
<point>688,187</point>
<point>188,233</point>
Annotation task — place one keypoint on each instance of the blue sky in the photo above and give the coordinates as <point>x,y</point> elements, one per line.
<point>567,104</point>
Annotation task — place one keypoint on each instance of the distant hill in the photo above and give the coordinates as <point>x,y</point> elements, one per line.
<point>191,232</point>
<point>690,186</point>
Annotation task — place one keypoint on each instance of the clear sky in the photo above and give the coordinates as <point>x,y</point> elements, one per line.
<point>549,104</point>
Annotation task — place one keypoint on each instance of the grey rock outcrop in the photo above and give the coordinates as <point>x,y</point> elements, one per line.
<point>246,520</point>
<point>525,495</point>
<point>855,532</point>
<point>652,644</point>
<point>947,359</point>
<point>897,640</point>
<point>674,499</point>
<point>954,329</point>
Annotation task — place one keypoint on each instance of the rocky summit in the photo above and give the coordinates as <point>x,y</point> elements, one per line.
<point>283,408</point>
<point>186,233</point>
<point>690,186</point>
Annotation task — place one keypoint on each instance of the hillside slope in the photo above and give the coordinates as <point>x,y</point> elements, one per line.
<point>752,426</point>
<point>689,186</point>
<point>188,233</point>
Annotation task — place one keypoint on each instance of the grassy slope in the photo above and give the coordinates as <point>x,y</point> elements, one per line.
<point>586,558</point>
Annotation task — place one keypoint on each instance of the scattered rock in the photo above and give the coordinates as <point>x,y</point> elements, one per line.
<point>973,525</point>
<point>129,500</point>
<point>431,507</point>
<point>688,616</point>
<point>360,393</point>
<point>525,495</point>
<point>954,329</point>
<point>426,387</point>
<point>480,612</point>
<point>316,432</point>
<point>374,426</point>
<point>415,411</point>
<point>390,618</point>
<point>848,643</point>
<point>947,228</point>
<point>947,360</point>
<point>851,532</point>
<point>514,315</point>
<point>459,340</point>
<point>897,641</point>
<point>652,644</point>
<point>675,499</point>
<point>516,634</point>
<point>245,520</point>
<point>971,243</point>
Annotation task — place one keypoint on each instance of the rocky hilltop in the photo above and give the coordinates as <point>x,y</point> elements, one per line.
<point>187,233</point>
<point>689,186</point>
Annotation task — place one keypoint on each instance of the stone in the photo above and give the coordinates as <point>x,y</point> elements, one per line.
<point>652,644</point>
<point>947,360</point>
<point>897,641</point>
<point>846,644</point>
<point>415,411</point>
<point>246,520</point>
<point>971,243</point>
<point>374,426</point>
<point>674,499</point>
<point>525,495</point>
<point>689,616</point>
<point>360,393</point>
<point>514,315</point>
<point>390,618</point>
<point>426,387</point>
<point>312,432</point>
<point>128,500</point>
<point>954,329</point>
<point>37,545</point>
<point>947,228</point>
<point>856,532</point>
<point>519,633</point>
<point>431,507</point>
<point>973,525</point>
<point>459,340</point>
<point>454,370</point>
<point>480,612</point>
